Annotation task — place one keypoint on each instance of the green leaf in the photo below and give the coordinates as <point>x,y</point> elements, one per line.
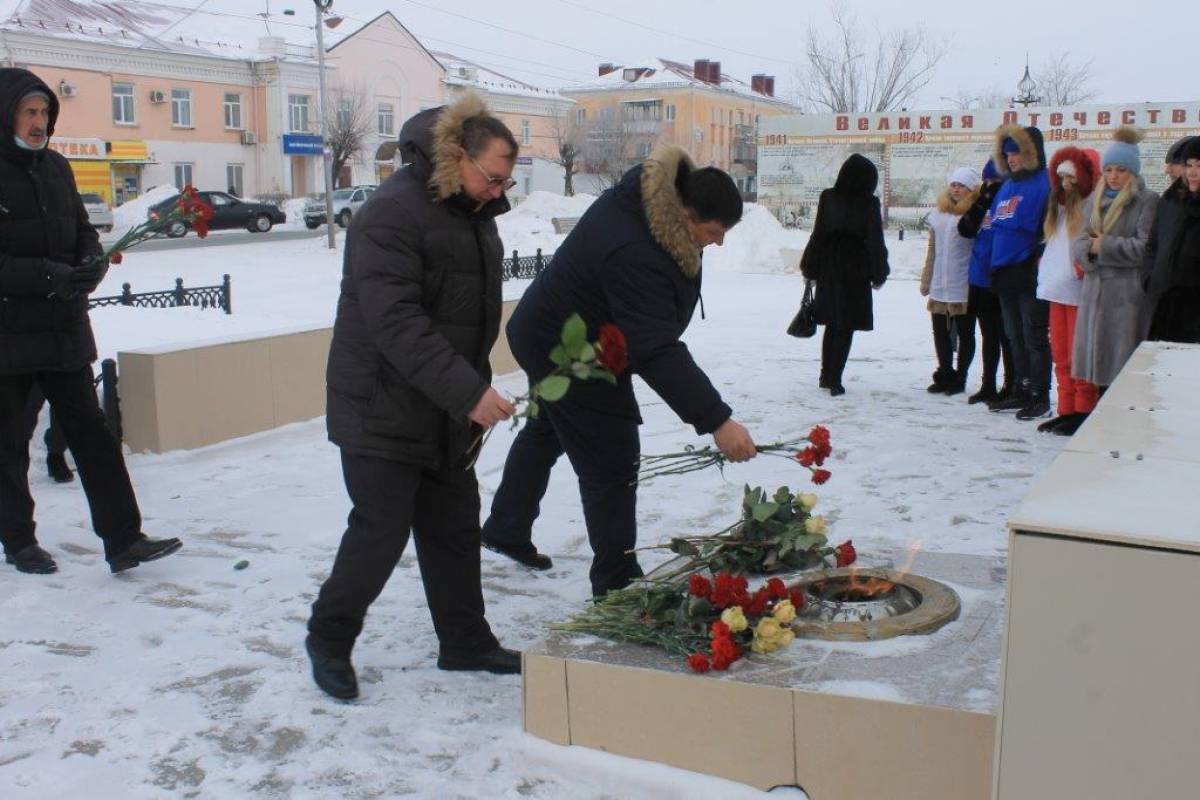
<point>684,548</point>
<point>587,352</point>
<point>553,387</point>
<point>782,495</point>
<point>559,356</point>
<point>699,607</point>
<point>764,511</point>
<point>603,375</point>
<point>574,334</point>
<point>581,370</point>
<point>533,409</point>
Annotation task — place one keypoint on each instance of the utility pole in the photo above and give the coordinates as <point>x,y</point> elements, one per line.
<point>322,7</point>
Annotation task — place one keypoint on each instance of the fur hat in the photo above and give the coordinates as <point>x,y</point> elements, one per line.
<point>1175,152</point>
<point>1124,152</point>
<point>1190,150</point>
<point>966,176</point>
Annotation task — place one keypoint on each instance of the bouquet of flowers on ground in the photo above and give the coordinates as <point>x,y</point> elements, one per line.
<point>188,208</point>
<point>809,452</point>
<point>775,533</point>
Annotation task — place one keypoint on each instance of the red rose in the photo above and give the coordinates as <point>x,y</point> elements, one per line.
<point>777,588</point>
<point>798,599</point>
<point>819,436</point>
<point>819,476</point>
<point>115,257</point>
<point>699,586</point>
<point>807,457</point>
<point>614,352</point>
<point>699,662</point>
<point>845,553</point>
<point>720,630</point>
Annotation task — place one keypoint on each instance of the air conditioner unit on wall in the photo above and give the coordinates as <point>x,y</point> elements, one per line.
<point>66,89</point>
<point>158,96</point>
<point>249,137</point>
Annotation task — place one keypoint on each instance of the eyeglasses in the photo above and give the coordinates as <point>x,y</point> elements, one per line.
<point>503,183</point>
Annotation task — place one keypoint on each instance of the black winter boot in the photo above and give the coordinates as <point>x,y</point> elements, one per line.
<point>56,466</point>
<point>1037,407</point>
<point>942,380</point>
<point>1017,399</point>
<point>331,669</point>
<point>987,392</point>
<point>1070,425</point>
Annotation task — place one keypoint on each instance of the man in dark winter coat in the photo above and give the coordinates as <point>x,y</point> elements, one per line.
<point>409,388</point>
<point>1018,214</point>
<point>49,263</point>
<point>1171,270</point>
<point>633,261</point>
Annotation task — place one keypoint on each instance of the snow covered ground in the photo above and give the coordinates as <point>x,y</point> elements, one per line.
<point>187,677</point>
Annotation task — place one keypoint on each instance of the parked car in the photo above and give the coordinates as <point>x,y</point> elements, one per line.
<point>346,203</point>
<point>228,212</point>
<point>99,214</point>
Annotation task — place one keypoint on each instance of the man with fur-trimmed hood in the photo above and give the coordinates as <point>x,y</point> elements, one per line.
<point>1017,214</point>
<point>633,261</point>
<point>408,387</point>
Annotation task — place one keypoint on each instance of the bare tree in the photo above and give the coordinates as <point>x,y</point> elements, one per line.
<point>1062,82</point>
<point>568,147</point>
<point>607,149</point>
<point>348,123</point>
<point>852,71</point>
<point>965,100</point>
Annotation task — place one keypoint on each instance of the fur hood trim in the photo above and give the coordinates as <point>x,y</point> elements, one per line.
<point>447,144</point>
<point>1087,171</point>
<point>665,212</point>
<point>947,205</point>
<point>1029,150</point>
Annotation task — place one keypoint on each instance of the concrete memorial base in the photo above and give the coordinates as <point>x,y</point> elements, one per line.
<point>909,718</point>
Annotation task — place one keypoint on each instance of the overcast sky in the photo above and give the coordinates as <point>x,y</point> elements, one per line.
<point>1135,60</point>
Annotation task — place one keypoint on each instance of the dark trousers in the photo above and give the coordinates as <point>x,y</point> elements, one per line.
<point>962,327</point>
<point>995,345</point>
<point>1027,325</point>
<point>72,398</point>
<point>603,450</point>
<point>441,509</point>
<point>835,352</point>
<point>56,443</point>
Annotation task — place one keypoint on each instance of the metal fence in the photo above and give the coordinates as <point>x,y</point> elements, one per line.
<point>180,297</point>
<point>519,266</point>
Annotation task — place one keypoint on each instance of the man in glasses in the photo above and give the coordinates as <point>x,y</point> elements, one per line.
<point>409,388</point>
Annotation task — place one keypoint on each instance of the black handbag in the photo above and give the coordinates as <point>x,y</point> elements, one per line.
<point>803,325</point>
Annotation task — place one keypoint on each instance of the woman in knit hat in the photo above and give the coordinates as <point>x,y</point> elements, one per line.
<point>1073,177</point>
<point>1172,265</point>
<point>1112,317</point>
<point>982,302</point>
<point>945,283</point>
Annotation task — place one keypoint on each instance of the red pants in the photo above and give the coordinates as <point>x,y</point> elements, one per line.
<point>1074,396</point>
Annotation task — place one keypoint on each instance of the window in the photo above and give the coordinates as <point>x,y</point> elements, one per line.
<point>581,115</point>
<point>298,113</point>
<point>218,200</point>
<point>233,110</point>
<point>344,112</point>
<point>643,149</point>
<point>526,134</point>
<point>670,113</point>
<point>122,99</point>
<point>234,174</point>
<point>181,108</point>
<point>183,175</point>
<point>387,119</point>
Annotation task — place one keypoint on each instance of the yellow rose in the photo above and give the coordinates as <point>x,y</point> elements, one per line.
<point>808,501</point>
<point>784,612</point>
<point>767,628</point>
<point>763,645</point>
<point>816,526</point>
<point>735,619</point>
<point>785,637</point>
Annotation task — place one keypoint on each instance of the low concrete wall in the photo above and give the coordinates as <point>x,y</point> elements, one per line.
<point>199,393</point>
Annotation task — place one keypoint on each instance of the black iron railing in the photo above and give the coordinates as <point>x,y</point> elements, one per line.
<point>518,266</point>
<point>180,297</point>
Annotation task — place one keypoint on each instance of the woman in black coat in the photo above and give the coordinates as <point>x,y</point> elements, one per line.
<point>1171,272</point>
<point>846,257</point>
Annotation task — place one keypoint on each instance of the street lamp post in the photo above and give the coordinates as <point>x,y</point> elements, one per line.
<point>322,7</point>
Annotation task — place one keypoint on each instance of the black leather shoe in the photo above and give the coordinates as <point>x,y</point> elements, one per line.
<point>529,556</point>
<point>499,660</point>
<point>984,395</point>
<point>836,389</point>
<point>1070,424</point>
<point>144,549</point>
<point>333,674</point>
<point>32,559</point>
<point>56,466</point>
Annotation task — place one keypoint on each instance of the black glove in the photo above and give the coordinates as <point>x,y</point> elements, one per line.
<point>87,276</point>
<point>59,275</point>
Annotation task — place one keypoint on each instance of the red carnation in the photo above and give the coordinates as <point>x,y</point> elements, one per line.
<point>720,630</point>
<point>807,457</point>
<point>757,604</point>
<point>819,476</point>
<point>798,599</point>
<point>614,353</point>
<point>115,257</point>
<point>699,586</point>
<point>777,588</point>
<point>819,436</point>
<point>740,584</point>
<point>845,553</point>
<point>725,651</point>
<point>699,662</point>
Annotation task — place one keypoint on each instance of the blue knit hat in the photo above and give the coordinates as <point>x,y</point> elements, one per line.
<point>1010,146</point>
<point>1124,152</point>
<point>990,173</point>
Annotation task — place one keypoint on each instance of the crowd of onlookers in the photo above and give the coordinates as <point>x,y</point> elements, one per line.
<point>1066,266</point>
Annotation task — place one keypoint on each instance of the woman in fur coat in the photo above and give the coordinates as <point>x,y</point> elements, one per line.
<point>1112,316</point>
<point>1073,177</point>
<point>945,282</point>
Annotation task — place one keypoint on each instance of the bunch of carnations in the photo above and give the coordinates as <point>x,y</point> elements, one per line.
<point>809,452</point>
<point>188,208</point>
<point>759,621</point>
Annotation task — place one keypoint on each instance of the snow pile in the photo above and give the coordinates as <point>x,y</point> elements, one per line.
<point>294,208</point>
<point>530,225</point>
<point>127,215</point>
<point>757,244</point>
